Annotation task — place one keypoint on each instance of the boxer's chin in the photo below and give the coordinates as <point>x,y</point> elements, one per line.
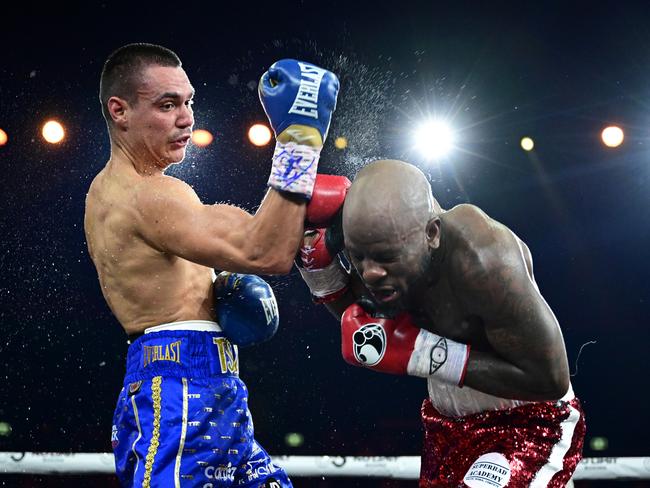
<point>390,303</point>
<point>176,157</point>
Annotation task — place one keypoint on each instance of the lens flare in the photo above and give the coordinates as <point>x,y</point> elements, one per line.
<point>434,139</point>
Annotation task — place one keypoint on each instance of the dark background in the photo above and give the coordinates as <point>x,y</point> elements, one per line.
<point>559,73</point>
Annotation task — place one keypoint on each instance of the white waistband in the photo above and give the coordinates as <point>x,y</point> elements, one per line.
<point>200,325</point>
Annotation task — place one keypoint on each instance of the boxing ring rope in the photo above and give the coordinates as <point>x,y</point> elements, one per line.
<point>399,467</point>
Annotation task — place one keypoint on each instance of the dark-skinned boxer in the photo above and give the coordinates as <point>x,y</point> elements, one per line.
<point>450,296</point>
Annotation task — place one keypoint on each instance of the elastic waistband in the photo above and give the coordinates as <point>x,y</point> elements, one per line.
<point>175,350</point>
<point>198,325</point>
<point>542,411</point>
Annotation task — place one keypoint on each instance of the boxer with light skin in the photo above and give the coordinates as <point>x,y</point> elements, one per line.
<point>182,417</point>
<point>450,296</point>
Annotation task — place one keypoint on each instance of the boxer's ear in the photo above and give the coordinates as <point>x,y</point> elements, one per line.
<point>433,233</point>
<point>117,109</point>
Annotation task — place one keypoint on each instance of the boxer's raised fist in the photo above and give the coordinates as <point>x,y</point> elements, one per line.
<point>298,93</point>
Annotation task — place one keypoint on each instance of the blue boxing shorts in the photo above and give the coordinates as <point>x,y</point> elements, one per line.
<point>182,418</point>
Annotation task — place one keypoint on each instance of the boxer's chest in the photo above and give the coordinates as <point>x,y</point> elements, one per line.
<point>443,314</point>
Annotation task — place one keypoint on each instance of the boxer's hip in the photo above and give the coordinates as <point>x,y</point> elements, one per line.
<point>551,412</point>
<point>190,349</point>
<point>539,443</point>
<point>183,412</point>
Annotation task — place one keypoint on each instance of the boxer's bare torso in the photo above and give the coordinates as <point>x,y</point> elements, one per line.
<point>443,309</point>
<point>480,290</point>
<point>143,286</point>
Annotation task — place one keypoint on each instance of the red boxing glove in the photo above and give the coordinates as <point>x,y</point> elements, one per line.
<point>320,267</point>
<point>314,253</point>
<point>397,346</point>
<point>326,200</point>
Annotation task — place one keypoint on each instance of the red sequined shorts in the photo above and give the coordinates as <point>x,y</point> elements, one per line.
<point>536,445</point>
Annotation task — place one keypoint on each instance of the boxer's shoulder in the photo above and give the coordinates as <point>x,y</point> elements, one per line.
<point>162,186</point>
<point>157,194</point>
<point>478,245</point>
<point>472,224</point>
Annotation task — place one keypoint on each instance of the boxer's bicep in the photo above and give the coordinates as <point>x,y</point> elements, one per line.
<point>173,220</point>
<point>528,259</point>
<point>519,325</point>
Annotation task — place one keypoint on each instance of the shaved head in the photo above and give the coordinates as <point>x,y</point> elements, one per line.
<point>391,228</point>
<point>390,196</point>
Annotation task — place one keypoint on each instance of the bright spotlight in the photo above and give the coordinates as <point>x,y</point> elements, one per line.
<point>527,144</point>
<point>434,139</point>
<point>3,137</point>
<point>259,134</point>
<point>201,137</point>
<point>612,136</point>
<point>53,132</point>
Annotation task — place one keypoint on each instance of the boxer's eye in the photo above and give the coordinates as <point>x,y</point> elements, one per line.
<point>387,258</point>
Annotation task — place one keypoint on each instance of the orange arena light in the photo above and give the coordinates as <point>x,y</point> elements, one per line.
<point>340,143</point>
<point>259,135</point>
<point>53,132</point>
<point>3,137</point>
<point>202,137</point>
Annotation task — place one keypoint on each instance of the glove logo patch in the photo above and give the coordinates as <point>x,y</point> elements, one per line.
<point>114,440</point>
<point>270,307</point>
<point>438,355</point>
<point>306,100</point>
<point>369,344</point>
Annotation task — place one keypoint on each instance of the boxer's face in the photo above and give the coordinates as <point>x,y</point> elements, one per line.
<point>390,264</point>
<point>161,120</point>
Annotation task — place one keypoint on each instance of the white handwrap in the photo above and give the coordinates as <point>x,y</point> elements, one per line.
<point>294,168</point>
<point>439,358</point>
<point>326,281</point>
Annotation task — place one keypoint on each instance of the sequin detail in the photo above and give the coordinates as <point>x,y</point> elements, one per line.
<point>530,437</point>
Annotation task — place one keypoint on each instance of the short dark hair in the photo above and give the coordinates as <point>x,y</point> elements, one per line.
<point>123,69</point>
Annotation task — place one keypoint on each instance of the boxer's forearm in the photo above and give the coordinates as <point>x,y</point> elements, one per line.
<point>275,232</point>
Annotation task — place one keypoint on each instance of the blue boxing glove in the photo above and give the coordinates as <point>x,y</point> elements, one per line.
<point>299,99</point>
<point>246,308</point>
<point>296,92</point>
